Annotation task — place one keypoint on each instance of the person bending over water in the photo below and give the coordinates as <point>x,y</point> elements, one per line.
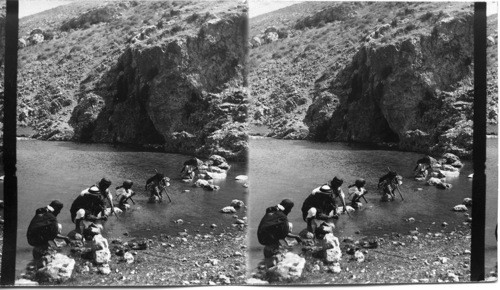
<point>275,227</point>
<point>357,191</point>
<point>89,208</point>
<point>320,204</point>
<point>45,228</point>
<point>124,193</point>
<point>156,185</point>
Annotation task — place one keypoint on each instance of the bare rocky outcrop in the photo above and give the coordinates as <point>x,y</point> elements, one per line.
<point>416,89</point>
<point>185,92</point>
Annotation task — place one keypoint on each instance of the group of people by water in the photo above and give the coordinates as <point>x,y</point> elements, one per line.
<point>88,211</point>
<point>92,207</point>
<point>318,208</point>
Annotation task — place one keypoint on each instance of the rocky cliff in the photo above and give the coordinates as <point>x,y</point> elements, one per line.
<point>164,74</point>
<point>387,73</point>
<point>416,92</point>
<point>185,92</point>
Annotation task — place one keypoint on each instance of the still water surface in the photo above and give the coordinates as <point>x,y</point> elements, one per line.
<point>291,169</point>
<point>61,170</point>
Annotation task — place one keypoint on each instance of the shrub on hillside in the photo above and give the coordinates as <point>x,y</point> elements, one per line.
<point>426,16</point>
<point>176,29</point>
<point>410,27</point>
<point>98,15</point>
<point>193,17</point>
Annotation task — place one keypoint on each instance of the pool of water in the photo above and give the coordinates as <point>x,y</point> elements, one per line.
<point>61,170</point>
<point>291,169</point>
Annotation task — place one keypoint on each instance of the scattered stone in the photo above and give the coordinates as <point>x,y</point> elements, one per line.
<point>213,226</point>
<point>358,255</point>
<point>179,221</point>
<point>228,209</point>
<point>104,269</point>
<point>25,283</point>
<point>128,257</point>
<point>237,203</point>
<point>255,281</point>
<point>239,222</point>
<point>411,220</point>
<point>443,260</point>
<point>467,201</point>
<point>444,224</point>
<point>460,207</point>
<point>241,177</point>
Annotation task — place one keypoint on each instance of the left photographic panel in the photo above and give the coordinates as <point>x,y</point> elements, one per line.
<point>132,144</point>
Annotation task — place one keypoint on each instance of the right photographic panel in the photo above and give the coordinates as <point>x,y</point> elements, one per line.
<point>361,142</point>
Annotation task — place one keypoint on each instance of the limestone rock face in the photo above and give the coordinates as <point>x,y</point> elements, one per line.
<point>185,92</point>
<point>288,269</point>
<point>58,269</point>
<point>411,92</point>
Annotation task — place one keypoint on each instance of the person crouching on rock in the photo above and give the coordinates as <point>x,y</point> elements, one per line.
<point>89,209</point>
<point>275,226</point>
<point>44,228</point>
<point>156,184</point>
<point>320,204</point>
<point>357,191</point>
<point>124,193</point>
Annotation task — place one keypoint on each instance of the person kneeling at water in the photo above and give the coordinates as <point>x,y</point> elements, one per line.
<point>44,228</point>
<point>124,193</point>
<point>357,191</point>
<point>320,204</point>
<point>275,227</point>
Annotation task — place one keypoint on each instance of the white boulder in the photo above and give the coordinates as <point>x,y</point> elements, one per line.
<point>228,209</point>
<point>288,269</point>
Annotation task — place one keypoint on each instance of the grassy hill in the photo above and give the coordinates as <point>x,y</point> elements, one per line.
<point>317,40</point>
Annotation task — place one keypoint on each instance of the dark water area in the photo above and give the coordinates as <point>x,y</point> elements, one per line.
<point>291,169</point>
<point>61,170</point>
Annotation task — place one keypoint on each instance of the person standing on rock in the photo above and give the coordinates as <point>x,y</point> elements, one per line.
<point>44,228</point>
<point>275,227</point>
<point>320,204</point>
<point>357,191</point>
<point>90,206</point>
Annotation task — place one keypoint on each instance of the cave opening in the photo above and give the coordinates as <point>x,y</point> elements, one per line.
<point>386,133</point>
<point>146,130</point>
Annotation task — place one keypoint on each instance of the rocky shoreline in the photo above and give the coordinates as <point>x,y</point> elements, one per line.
<point>160,260</point>
<point>420,256</point>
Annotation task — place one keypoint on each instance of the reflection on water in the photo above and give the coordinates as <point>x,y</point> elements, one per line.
<point>61,170</point>
<point>291,169</point>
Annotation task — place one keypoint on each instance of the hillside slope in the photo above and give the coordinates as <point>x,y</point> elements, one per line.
<point>149,73</point>
<point>366,72</point>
